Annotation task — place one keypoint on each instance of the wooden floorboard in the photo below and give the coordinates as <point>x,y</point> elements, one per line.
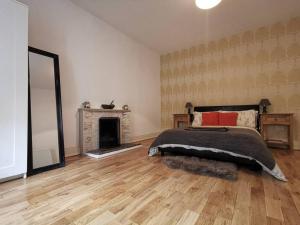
<point>132,188</point>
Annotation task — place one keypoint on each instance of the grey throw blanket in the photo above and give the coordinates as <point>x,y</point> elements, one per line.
<point>241,143</point>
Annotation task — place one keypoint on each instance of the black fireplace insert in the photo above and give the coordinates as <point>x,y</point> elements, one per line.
<point>109,132</point>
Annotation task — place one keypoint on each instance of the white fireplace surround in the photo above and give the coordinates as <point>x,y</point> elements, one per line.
<point>89,127</point>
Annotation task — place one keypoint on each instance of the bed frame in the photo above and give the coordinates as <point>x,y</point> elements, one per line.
<point>228,108</point>
<point>220,156</point>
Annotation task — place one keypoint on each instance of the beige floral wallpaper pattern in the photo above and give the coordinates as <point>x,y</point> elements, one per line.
<point>239,69</point>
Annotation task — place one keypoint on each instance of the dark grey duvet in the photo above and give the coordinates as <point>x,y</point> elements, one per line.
<point>219,143</point>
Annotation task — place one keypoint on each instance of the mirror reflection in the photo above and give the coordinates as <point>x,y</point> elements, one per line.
<point>45,147</point>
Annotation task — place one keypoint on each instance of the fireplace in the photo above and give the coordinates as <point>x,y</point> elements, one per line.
<point>109,132</point>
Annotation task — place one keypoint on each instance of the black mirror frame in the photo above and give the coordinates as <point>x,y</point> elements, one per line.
<point>30,169</point>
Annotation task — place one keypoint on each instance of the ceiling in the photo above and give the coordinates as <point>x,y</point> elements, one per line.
<point>168,25</point>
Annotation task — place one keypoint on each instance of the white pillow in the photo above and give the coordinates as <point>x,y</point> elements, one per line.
<point>197,122</point>
<point>247,118</point>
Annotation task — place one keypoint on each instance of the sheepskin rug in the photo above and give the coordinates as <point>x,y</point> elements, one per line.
<point>205,167</point>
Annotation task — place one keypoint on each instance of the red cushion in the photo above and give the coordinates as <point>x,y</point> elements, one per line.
<point>228,119</point>
<point>210,119</point>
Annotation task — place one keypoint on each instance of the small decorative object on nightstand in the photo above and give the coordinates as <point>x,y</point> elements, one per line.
<point>277,119</point>
<point>181,120</point>
<point>189,107</point>
<point>264,103</point>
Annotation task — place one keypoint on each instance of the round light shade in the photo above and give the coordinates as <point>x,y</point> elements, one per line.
<point>207,4</point>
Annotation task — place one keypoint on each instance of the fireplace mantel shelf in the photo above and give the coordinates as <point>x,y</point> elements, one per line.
<point>105,110</point>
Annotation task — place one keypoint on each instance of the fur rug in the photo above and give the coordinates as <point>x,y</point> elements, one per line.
<point>206,167</point>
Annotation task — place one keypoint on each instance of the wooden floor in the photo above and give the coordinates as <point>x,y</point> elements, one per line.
<point>132,188</point>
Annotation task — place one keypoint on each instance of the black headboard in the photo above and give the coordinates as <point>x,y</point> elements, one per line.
<point>225,108</point>
<point>228,108</point>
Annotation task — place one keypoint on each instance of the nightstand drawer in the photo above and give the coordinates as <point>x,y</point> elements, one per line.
<point>182,118</point>
<point>276,119</point>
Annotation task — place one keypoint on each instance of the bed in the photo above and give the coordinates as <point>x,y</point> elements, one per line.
<point>242,145</point>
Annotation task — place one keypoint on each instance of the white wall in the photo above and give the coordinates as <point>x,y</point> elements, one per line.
<point>97,63</point>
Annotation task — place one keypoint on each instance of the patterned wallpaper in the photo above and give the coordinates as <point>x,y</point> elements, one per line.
<point>239,69</point>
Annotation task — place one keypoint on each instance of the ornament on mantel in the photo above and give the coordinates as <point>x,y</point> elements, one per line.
<point>86,105</point>
<point>125,107</point>
<point>108,106</point>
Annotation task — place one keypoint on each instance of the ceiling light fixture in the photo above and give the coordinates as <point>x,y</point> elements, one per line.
<point>207,4</point>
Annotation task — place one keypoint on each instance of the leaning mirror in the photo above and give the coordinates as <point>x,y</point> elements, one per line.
<point>45,129</point>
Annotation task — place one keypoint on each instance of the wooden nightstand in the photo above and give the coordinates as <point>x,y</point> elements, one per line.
<point>181,120</point>
<point>277,119</point>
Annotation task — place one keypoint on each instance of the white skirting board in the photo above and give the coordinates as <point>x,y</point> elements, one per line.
<point>111,153</point>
